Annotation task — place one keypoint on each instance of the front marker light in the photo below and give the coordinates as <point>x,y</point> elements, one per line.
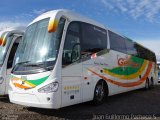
<point>52,87</point>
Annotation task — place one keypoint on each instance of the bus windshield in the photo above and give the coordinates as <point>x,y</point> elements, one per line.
<point>4,49</point>
<point>38,50</point>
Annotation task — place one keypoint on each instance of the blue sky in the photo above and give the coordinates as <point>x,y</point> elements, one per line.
<point>136,19</point>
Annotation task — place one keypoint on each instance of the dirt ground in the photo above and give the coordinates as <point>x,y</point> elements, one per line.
<point>139,104</point>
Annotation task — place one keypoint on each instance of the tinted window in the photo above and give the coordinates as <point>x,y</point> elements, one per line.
<point>117,42</point>
<point>130,46</point>
<point>145,53</point>
<point>71,51</point>
<point>12,52</point>
<point>94,38</point>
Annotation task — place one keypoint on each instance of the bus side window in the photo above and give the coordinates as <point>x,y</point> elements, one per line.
<point>145,53</point>
<point>130,46</point>
<point>94,39</point>
<point>12,52</point>
<point>71,51</point>
<point>117,42</point>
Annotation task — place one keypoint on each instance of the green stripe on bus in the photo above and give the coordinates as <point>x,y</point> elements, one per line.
<point>127,70</point>
<point>38,81</point>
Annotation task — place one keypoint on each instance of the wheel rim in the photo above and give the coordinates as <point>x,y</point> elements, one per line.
<point>99,93</point>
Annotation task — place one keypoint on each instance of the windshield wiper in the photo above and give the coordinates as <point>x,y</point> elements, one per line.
<point>41,65</point>
<point>21,63</point>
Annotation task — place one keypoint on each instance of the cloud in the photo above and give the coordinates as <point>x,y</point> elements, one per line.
<point>9,24</point>
<point>148,9</point>
<point>22,19</point>
<point>38,12</point>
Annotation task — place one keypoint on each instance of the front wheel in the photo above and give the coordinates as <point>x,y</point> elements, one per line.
<point>100,93</point>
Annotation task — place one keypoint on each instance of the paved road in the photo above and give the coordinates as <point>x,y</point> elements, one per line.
<point>138,104</point>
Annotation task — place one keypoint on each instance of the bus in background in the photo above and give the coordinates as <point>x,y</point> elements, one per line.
<point>9,40</point>
<point>158,65</point>
<point>66,59</point>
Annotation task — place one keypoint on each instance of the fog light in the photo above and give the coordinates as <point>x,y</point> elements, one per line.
<point>48,98</point>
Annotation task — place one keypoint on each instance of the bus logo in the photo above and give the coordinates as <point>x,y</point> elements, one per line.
<point>127,62</point>
<point>122,61</point>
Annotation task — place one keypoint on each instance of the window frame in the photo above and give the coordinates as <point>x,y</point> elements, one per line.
<point>117,35</point>
<point>139,54</point>
<point>78,35</point>
<point>92,25</point>
<point>129,40</point>
<point>84,56</point>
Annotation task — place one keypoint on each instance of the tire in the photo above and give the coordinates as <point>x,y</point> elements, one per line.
<point>147,86</point>
<point>100,93</point>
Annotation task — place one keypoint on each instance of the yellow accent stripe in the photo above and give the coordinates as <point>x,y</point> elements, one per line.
<point>32,85</point>
<point>125,77</point>
<point>131,84</point>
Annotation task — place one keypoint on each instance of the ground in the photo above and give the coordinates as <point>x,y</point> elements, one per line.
<point>139,104</point>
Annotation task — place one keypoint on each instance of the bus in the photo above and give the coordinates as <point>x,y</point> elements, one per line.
<point>9,40</point>
<point>66,59</point>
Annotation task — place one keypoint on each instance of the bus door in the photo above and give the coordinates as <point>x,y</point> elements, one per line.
<point>71,67</point>
<point>12,52</point>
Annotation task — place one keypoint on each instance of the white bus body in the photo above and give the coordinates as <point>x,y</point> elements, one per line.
<point>69,59</point>
<point>9,40</point>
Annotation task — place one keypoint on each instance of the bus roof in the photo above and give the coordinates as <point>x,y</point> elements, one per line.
<point>72,16</point>
<point>19,29</point>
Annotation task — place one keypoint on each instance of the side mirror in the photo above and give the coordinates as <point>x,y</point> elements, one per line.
<point>76,52</point>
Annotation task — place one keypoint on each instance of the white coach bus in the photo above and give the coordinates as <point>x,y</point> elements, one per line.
<point>65,59</point>
<point>9,40</point>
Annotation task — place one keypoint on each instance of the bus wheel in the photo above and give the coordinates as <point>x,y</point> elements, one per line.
<point>151,83</point>
<point>147,84</point>
<point>100,93</point>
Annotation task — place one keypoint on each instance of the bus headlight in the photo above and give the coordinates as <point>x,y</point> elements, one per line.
<point>52,87</point>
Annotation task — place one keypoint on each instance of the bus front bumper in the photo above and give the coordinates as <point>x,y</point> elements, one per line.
<point>31,100</point>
